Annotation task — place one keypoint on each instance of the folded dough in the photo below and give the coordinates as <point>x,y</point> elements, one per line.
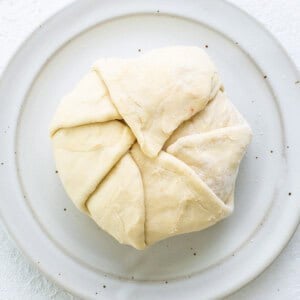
<point>176,199</point>
<point>157,92</point>
<point>150,147</point>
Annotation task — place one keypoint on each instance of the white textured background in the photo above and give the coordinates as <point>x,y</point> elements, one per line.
<point>20,280</point>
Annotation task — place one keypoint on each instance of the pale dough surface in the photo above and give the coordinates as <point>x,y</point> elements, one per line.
<point>150,147</point>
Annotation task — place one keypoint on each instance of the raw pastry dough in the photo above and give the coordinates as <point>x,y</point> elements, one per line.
<point>150,147</point>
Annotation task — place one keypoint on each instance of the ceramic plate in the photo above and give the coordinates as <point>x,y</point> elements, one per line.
<point>66,245</point>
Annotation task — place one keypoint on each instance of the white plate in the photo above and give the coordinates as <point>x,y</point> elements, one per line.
<point>69,247</point>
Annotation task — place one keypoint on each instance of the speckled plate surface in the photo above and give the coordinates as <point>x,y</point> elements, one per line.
<point>66,245</point>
